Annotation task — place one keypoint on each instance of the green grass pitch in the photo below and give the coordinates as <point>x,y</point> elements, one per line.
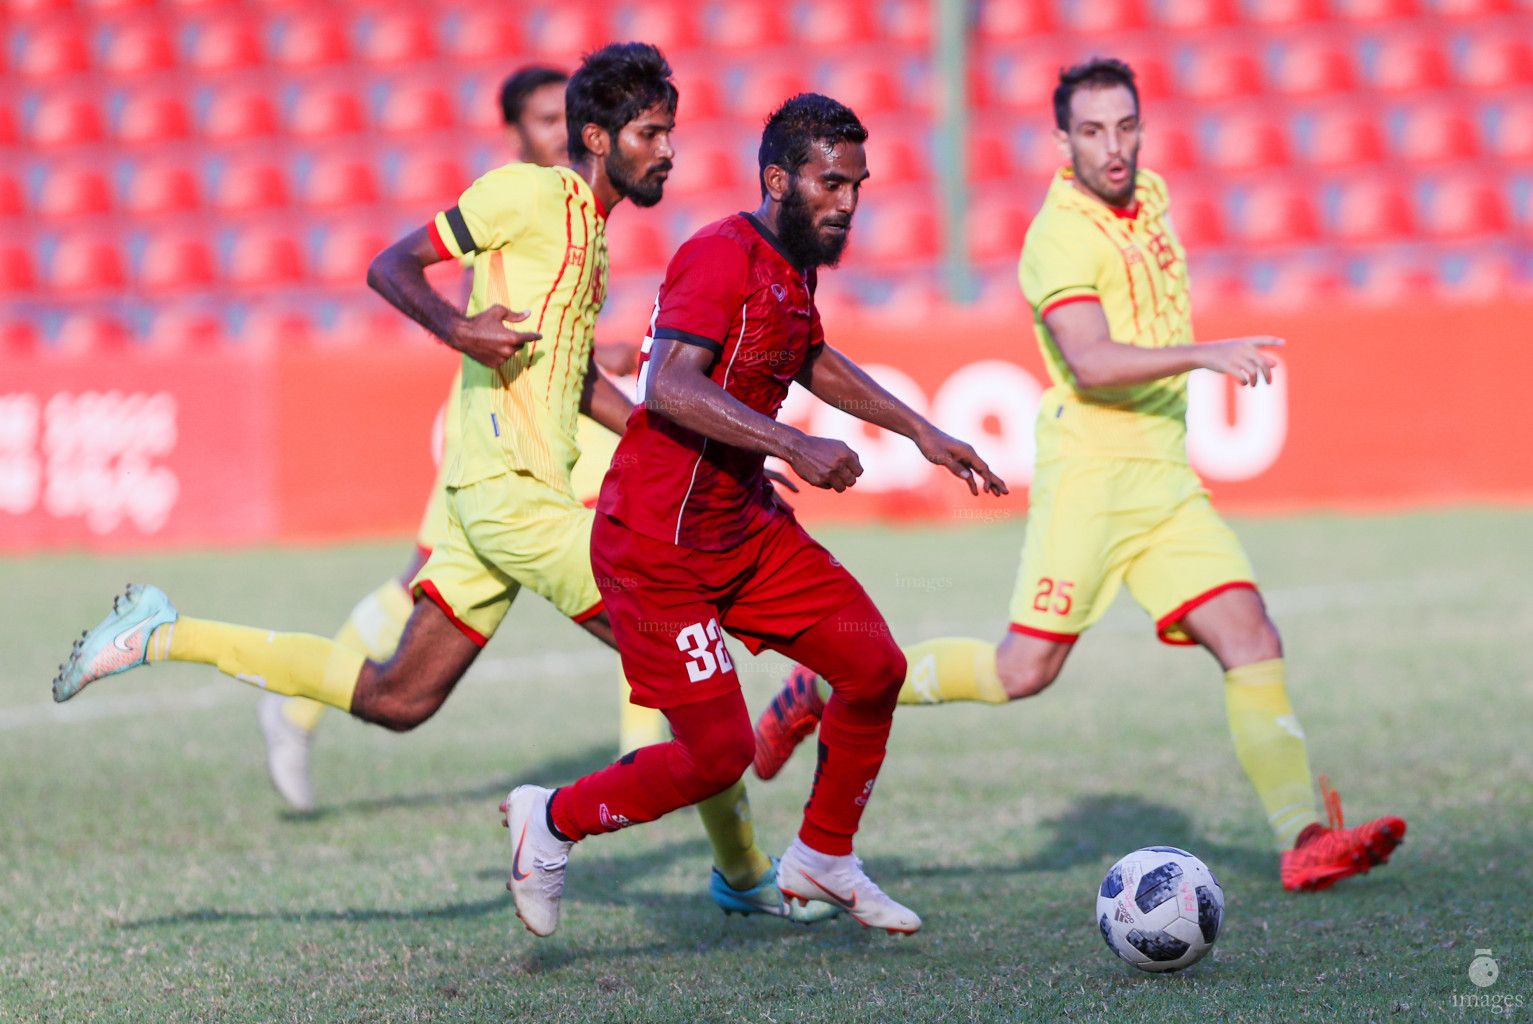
<point>148,872</point>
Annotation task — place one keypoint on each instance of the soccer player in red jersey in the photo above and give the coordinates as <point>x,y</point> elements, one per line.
<point>691,543</point>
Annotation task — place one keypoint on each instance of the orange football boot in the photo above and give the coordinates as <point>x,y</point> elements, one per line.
<point>1323,856</point>
<point>793,714</point>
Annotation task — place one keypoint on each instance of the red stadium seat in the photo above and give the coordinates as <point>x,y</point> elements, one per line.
<point>1152,74</point>
<point>346,251</point>
<point>898,159</point>
<point>11,203</point>
<point>1272,213</point>
<point>86,331</point>
<point>1021,79</point>
<point>564,29</point>
<point>152,117</point>
<point>9,133</point>
<point>1217,73</point>
<point>235,114</point>
<point>18,273</point>
<point>1433,134</point>
<point>908,21</point>
<point>1091,17</point>
<point>1367,210</point>
<point>225,44</point>
<point>762,90</point>
<point>1460,206</point>
<point>176,262</point>
<point>177,327</point>
<point>412,108</point>
<point>996,226</point>
<point>1167,147</point>
<point>325,111</point>
<point>71,192</point>
<point>262,258</point>
<point>1293,283</point>
<point>1376,11</point>
<point>478,109</point>
<point>639,245</point>
<point>160,188</point>
<point>1491,60</point>
<point>705,166</point>
<point>869,87</point>
<point>701,99</point>
<point>86,265</point>
<point>243,186</point>
<point>51,50</point>
<point>1339,137</point>
<point>273,326</point>
<point>1281,13</point>
<point>308,40</point>
<point>339,181</point>
<point>116,6</point>
<point>18,338</point>
<point>1311,66</point>
<point>990,157</point>
<point>63,120</point>
<point>1511,131</point>
<point>1036,152</point>
<point>743,25</point>
<point>480,33</point>
<point>1013,20</point>
<point>1472,9</point>
<point>832,22</point>
<point>138,47</point>
<point>429,180</point>
<point>398,36</point>
<point>1243,142</point>
<point>668,24</point>
<point>1198,217</point>
<point>895,233</point>
<point>1184,15</point>
<point>1405,63</point>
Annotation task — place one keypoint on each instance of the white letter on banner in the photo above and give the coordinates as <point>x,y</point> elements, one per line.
<point>889,461</point>
<point>998,390</point>
<point>1221,450</point>
<point>21,471</point>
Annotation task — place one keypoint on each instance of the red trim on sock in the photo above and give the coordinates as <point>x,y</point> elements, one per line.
<point>1170,619</point>
<point>1043,634</point>
<point>590,613</point>
<point>429,589</point>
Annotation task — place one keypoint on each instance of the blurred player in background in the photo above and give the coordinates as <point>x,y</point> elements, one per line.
<point>537,238</point>
<point>532,108</point>
<point>1114,499</point>
<point>690,541</point>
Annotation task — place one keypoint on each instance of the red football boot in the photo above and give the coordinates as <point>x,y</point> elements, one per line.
<point>793,714</point>
<point>1323,856</point>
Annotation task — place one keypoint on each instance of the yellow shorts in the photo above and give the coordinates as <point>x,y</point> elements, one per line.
<point>1096,522</point>
<point>505,533</point>
<point>433,528</point>
<point>597,444</point>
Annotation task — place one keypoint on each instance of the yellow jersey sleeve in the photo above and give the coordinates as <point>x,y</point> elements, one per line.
<point>492,213</point>
<point>1060,264</point>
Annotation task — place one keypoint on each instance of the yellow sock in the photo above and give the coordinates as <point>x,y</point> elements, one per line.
<point>372,629</point>
<point>637,726</point>
<point>727,820</point>
<point>293,664</point>
<point>951,668</point>
<point>1270,746</point>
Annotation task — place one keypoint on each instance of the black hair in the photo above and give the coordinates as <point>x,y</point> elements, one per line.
<point>613,86</point>
<point>1096,73</point>
<point>515,90</point>
<point>793,128</point>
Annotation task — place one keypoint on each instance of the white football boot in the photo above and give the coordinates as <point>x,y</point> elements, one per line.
<point>287,751</point>
<point>804,874</point>
<point>538,859</point>
<point>119,643</point>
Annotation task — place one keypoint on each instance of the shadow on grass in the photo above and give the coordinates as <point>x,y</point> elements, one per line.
<point>554,772</point>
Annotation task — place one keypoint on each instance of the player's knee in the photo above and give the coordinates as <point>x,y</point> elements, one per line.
<point>880,672</point>
<point>1024,677</point>
<point>1260,641</point>
<point>723,763</point>
<point>384,702</point>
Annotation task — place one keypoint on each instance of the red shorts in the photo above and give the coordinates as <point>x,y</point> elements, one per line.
<point>671,606</point>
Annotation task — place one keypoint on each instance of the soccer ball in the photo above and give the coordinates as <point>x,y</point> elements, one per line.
<point>1160,909</point>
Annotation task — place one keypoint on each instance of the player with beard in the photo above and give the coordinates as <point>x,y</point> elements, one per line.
<point>690,542</point>
<point>537,239</point>
<point>1114,500</point>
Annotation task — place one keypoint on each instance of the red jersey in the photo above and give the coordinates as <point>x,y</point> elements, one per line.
<point>732,290</point>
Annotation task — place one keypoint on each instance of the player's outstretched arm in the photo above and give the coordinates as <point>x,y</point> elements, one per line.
<point>677,386</point>
<point>603,402</point>
<point>838,381</point>
<point>1080,331</point>
<point>398,273</point>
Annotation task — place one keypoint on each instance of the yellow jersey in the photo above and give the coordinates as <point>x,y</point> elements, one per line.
<point>537,236</point>
<point>1081,250</point>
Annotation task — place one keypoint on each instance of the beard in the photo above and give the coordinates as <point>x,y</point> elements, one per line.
<point>1116,195</point>
<point>642,189</point>
<point>800,236</point>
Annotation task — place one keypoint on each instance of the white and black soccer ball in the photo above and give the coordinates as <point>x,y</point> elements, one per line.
<point>1160,909</point>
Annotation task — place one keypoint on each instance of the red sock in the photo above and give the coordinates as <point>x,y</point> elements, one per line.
<point>713,745</point>
<point>865,678</point>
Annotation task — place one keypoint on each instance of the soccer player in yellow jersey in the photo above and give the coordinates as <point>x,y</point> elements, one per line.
<point>1113,499</point>
<point>537,237</point>
<point>532,109</point>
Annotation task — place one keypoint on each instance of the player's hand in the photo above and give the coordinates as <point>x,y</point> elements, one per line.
<point>960,459</point>
<point>824,462</point>
<point>487,337</point>
<point>1241,358</point>
<point>619,358</point>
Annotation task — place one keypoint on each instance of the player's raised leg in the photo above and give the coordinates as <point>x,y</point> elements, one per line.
<point>1271,747</point>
